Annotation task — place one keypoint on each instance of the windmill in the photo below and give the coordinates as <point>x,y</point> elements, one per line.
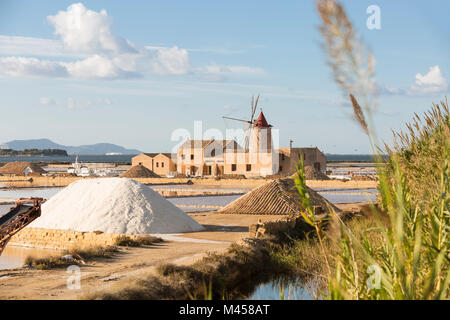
<point>249,124</point>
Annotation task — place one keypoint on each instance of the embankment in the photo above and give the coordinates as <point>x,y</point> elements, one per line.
<point>63,239</point>
<point>47,181</point>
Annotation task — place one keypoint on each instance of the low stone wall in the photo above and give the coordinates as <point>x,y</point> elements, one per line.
<point>284,225</point>
<point>57,181</point>
<point>62,239</point>
<point>39,181</point>
<point>341,184</point>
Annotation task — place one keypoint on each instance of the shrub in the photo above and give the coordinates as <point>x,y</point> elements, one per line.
<point>126,241</point>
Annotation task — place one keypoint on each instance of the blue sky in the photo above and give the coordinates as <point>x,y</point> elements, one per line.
<point>133,73</point>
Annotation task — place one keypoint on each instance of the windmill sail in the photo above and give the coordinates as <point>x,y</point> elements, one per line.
<point>249,124</point>
<point>249,128</point>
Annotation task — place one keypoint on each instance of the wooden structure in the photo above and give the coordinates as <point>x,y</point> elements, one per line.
<point>25,211</point>
<point>139,171</point>
<point>276,197</point>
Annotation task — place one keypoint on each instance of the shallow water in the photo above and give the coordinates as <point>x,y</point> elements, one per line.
<point>202,186</point>
<point>348,195</point>
<point>210,200</point>
<point>14,257</point>
<point>45,193</point>
<point>187,204</point>
<point>283,289</point>
<point>4,208</point>
<point>190,204</point>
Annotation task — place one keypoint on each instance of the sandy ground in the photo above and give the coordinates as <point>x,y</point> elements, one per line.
<point>223,230</point>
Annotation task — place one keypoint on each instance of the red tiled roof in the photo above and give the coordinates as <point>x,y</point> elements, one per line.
<point>261,122</point>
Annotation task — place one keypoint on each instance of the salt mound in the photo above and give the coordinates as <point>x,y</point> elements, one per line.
<point>113,205</point>
<point>139,171</point>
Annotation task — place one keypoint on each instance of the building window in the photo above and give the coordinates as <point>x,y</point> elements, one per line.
<point>233,167</point>
<point>162,164</point>
<point>283,157</point>
<point>192,157</point>
<point>249,167</point>
<point>157,164</point>
<point>213,153</point>
<point>140,163</point>
<point>281,169</point>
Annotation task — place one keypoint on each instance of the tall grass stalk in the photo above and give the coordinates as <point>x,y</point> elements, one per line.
<point>407,257</point>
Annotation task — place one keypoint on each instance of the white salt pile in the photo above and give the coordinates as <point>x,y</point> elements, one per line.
<point>113,205</point>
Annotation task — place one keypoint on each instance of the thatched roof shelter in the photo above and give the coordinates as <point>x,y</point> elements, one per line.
<point>21,168</point>
<point>313,174</point>
<point>139,171</point>
<point>276,197</point>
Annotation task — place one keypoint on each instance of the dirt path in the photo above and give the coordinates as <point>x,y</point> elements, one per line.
<point>223,230</point>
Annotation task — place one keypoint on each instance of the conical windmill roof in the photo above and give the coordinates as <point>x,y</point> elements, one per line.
<point>276,197</point>
<point>261,122</point>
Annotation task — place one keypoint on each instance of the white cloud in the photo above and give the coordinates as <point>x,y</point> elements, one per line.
<point>27,46</point>
<point>84,30</point>
<point>21,66</point>
<point>432,82</point>
<point>172,61</point>
<point>105,101</point>
<point>223,70</point>
<point>78,104</point>
<point>86,35</point>
<point>47,101</point>
<point>97,67</point>
<point>94,67</point>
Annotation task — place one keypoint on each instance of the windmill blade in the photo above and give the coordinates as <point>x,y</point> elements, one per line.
<point>248,132</point>
<point>254,106</point>
<point>236,119</point>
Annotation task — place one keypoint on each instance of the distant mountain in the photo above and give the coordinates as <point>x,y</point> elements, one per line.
<point>92,149</point>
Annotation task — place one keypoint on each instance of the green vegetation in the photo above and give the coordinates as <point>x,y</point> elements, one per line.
<point>398,249</point>
<point>146,240</point>
<point>403,251</point>
<point>33,152</point>
<point>78,255</point>
<point>230,275</point>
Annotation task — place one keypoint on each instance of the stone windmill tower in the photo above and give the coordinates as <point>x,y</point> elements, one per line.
<point>258,143</point>
<point>260,136</point>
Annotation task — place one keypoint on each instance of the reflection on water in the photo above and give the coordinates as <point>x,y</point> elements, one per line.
<point>4,208</point>
<point>200,200</point>
<point>14,257</point>
<point>333,195</point>
<point>45,193</point>
<point>284,289</point>
<point>348,195</point>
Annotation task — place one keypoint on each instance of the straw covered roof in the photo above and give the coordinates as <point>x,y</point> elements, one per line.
<point>313,174</point>
<point>139,171</point>
<point>276,197</point>
<point>19,168</point>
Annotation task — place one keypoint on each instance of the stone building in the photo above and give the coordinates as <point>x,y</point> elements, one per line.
<point>162,164</point>
<point>289,159</point>
<point>227,157</point>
